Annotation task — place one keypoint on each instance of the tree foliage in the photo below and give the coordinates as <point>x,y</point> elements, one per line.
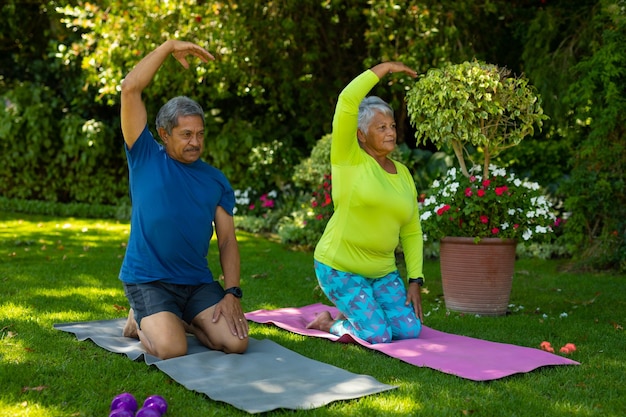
<point>280,65</point>
<point>582,64</point>
<point>473,104</point>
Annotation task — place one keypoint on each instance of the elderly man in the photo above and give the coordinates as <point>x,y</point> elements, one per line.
<point>177,201</point>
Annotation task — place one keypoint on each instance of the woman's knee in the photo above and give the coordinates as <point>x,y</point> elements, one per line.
<point>376,334</point>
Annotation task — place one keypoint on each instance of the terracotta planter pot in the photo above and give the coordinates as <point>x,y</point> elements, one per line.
<point>477,277</point>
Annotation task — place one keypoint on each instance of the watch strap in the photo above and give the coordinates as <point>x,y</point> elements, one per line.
<point>418,281</point>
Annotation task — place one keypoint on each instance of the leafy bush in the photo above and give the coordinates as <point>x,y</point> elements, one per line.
<point>56,156</point>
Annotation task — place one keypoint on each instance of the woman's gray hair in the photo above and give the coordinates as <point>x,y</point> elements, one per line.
<point>369,107</point>
<point>167,117</point>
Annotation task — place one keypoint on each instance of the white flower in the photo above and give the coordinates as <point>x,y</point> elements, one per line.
<point>504,226</point>
<point>527,234</point>
<point>511,212</point>
<point>426,215</point>
<point>563,315</point>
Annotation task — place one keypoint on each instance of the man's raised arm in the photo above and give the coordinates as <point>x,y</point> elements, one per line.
<point>133,110</point>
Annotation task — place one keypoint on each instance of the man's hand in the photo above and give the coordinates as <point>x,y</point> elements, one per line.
<point>182,49</point>
<point>230,309</point>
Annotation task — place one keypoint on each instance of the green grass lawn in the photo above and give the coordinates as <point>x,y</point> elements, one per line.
<point>57,270</point>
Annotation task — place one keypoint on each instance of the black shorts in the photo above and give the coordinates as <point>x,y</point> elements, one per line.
<point>186,301</point>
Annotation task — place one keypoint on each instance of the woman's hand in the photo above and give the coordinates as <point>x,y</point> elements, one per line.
<point>391,67</point>
<point>414,296</point>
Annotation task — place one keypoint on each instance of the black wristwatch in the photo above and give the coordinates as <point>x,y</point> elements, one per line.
<point>236,291</point>
<point>418,281</point>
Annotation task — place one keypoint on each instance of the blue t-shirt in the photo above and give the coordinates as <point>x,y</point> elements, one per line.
<point>173,208</point>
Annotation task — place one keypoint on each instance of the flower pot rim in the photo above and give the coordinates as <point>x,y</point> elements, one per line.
<point>481,241</point>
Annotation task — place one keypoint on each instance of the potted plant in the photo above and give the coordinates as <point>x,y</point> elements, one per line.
<point>478,211</point>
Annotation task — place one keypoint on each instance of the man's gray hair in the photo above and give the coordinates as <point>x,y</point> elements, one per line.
<point>369,107</point>
<point>167,117</point>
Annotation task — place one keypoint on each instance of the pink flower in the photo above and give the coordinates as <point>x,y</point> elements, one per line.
<point>251,207</point>
<point>472,178</point>
<point>484,219</point>
<point>568,348</point>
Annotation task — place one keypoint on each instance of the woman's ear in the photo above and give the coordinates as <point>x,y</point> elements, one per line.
<point>360,135</point>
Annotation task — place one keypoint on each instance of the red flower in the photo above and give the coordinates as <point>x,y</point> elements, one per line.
<point>486,183</point>
<point>319,217</point>
<point>443,209</point>
<point>501,190</point>
<point>481,193</point>
<point>495,231</point>
<point>468,192</point>
<point>314,203</point>
<point>484,219</point>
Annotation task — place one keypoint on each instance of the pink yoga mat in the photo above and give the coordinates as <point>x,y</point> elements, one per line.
<point>466,357</point>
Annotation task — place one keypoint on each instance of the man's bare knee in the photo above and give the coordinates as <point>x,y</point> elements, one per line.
<point>235,346</point>
<point>168,352</point>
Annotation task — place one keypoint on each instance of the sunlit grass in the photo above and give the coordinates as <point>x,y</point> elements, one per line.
<point>58,270</point>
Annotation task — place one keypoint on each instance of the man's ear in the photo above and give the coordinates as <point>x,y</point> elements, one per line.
<point>162,134</point>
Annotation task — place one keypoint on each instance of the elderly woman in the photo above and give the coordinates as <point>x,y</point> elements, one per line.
<point>376,207</point>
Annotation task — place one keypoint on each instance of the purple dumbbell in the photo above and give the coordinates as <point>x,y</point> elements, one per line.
<point>154,406</point>
<point>120,412</point>
<point>123,405</point>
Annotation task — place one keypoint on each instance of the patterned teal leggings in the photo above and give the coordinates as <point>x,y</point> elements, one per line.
<point>375,309</point>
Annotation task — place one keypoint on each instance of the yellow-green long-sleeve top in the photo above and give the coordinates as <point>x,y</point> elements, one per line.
<point>374,210</point>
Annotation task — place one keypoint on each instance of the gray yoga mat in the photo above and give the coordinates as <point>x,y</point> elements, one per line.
<point>267,377</point>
